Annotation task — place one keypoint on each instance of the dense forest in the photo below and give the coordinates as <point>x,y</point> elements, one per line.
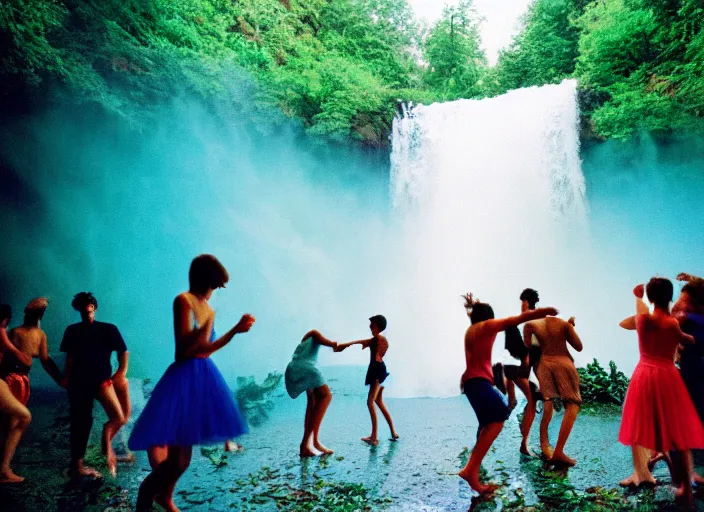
<point>341,66</point>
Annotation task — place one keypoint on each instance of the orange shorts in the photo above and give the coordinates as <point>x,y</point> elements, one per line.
<point>19,386</point>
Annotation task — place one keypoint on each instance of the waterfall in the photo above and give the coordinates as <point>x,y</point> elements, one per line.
<point>489,197</point>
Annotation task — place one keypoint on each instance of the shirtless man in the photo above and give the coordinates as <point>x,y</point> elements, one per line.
<point>30,339</point>
<point>12,410</point>
<point>477,381</point>
<point>558,378</point>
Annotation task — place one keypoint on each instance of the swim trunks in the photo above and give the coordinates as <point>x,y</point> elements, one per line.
<point>487,402</point>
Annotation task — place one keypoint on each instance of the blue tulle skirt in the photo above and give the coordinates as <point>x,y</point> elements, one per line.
<point>191,405</point>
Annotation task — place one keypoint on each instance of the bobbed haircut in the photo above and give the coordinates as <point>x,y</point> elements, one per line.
<point>530,296</point>
<point>695,290</point>
<point>379,321</point>
<point>660,291</point>
<point>36,308</point>
<point>5,312</point>
<point>481,311</point>
<point>206,273</point>
<point>82,299</point>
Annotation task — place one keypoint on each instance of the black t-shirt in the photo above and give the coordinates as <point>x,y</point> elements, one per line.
<point>90,346</point>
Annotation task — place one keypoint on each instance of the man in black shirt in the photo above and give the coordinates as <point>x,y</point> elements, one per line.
<point>89,345</point>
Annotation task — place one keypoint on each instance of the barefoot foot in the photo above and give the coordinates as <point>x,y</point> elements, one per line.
<point>560,459</point>
<point>231,446</point>
<point>85,471</point>
<point>166,503</point>
<point>525,450</point>
<point>306,452</point>
<point>323,449</point>
<point>472,478</point>
<point>370,441</point>
<point>128,458</point>
<point>394,436</point>
<point>546,451</point>
<point>7,476</point>
<point>684,496</point>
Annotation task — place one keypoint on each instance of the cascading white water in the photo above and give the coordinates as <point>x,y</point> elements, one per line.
<point>490,198</point>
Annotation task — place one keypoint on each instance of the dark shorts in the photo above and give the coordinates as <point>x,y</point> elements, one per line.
<point>376,372</point>
<point>487,402</point>
<point>513,371</point>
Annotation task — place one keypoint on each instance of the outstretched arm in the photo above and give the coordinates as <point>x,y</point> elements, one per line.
<point>683,276</point>
<point>502,324</point>
<point>364,343</point>
<point>320,339</point>
<point>48,363</point>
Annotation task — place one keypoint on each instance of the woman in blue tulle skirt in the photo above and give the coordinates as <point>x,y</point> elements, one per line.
<point>191,404</point>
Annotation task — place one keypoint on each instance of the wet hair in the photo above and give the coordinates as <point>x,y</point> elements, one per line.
<point>481,311</point>
<point>82,300</point>
<point>695,290</point>
<point>530,296</point>
<point>206,273</point>
<point>34,311</point>
<point>514,343</point>
<point>659,291</point>
<point>379,321</point>
<point>5,312</point>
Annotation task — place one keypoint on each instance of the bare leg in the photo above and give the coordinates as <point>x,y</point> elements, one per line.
<point>511,392</point>
<point>528,415</point>
<point>19,419</point>
<point>558,456</point>
<point>544,424</point>
<point>122,391</point>
<point>163,478</point>
<point>387,416</point>
<point>322,401</point>
<point>305,448</point>
<point>373,439</point>
<point>470,472</point>
<point>641,474</point>
<point>683,494</point>
<point>116,420</point>
<point>157,455</point>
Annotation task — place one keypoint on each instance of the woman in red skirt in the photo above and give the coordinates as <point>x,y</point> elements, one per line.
<point>658,413</point>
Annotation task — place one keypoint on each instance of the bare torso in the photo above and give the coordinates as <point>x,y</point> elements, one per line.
<point>29,340</point>
<point>554,334</point>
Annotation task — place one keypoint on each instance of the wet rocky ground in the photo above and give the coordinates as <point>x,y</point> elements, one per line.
<point>417,473</point>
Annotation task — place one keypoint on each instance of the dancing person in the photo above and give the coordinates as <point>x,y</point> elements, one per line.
<point>376,375</point>
<point>689,311</point>
<point>89,345</point>
<point>17,414</point>
<point>302,375</point>
<point>658,413</point>
<point>519,375</point>
<point>558,378</point>
<point>30,339</point>
<point>191,404</point>
<point>477,381</point>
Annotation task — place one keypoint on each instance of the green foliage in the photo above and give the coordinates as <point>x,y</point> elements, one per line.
<point>545,50</point>
<point>453,53</point>
<point>255,399</point>
<point>598,386</point>
<point>268,489</point>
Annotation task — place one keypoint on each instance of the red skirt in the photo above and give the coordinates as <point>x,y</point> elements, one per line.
<point>658,413</point>
<point>19,386</point>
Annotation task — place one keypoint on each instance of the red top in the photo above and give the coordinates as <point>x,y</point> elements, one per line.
<point>478,354</point>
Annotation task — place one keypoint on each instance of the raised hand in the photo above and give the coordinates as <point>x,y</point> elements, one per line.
<point>552,311</point>
<point>571,321</point>
<point>245,323</point>
<point>684,276</point>
<point>639,291</point>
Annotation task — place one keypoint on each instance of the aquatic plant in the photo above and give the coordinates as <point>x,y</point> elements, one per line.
<point>269,488</point>
<point>602,387</point>
<point>255,399</point>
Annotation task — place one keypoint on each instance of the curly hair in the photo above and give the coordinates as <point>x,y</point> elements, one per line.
<point>695,290</point>
<point>82,299</point>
